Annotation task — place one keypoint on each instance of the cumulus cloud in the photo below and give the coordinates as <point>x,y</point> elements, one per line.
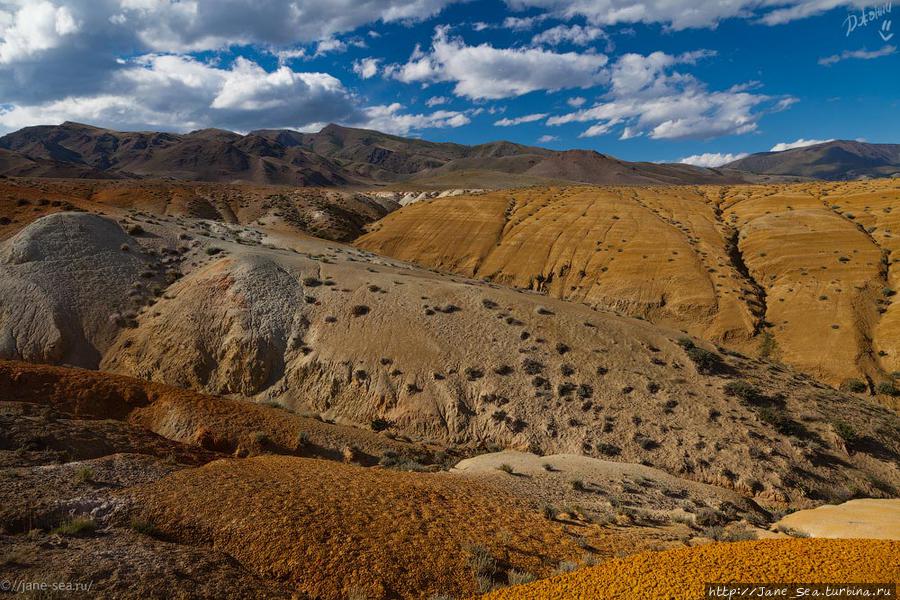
<point>576,101</point>
<point>574,34</point>
<point>711,160</point>
<point>648,97</point>
<point>34,27</point>
<point>520,120</point>
<point>157,91</point>
<point>857,54</point>
<point>437,101</point>
<point>801,143</point>
<point>544,139</point>
<point>486,72</point>
<point>366,68</point>
<point>680,14</point>
<point>390,118</point>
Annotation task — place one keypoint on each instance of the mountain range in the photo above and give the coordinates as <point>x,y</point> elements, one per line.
<point>834,160</point>
<point>335,156</point>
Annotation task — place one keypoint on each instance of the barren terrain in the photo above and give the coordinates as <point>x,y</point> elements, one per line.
<point>799,273</point>
<point>261,403</point>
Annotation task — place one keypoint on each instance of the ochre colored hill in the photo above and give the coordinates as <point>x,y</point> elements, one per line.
<point>681,574</point>
<point>218,424</point>
<point>377,344</point>
<point>800,273</point>
<point>330,528</point>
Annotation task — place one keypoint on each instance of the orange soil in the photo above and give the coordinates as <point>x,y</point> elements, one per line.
<point>681,574</point>
<point>330,528</point>
<point>219,424</point>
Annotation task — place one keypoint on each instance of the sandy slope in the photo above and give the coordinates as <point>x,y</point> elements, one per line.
<point>800,272</point>
<point>864,518</point>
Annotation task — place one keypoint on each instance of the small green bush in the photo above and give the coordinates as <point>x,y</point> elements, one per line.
<point>76,527</point>
<point>855,386</point>
<point>706,362</point>
<point>745,391</point>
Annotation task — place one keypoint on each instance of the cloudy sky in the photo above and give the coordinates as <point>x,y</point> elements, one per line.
<point>702,80</point>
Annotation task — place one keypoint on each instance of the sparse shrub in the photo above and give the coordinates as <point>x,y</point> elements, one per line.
<point>359,310</point>
<point>565,389</point>
<point>745,391</point>
<point>566,566</point>
<point>855,386</point>
<point>781,423</point>
<point>213,250</point>
<point>562,348</point>
<point>887,388</point>
<point>76,527</point>
<point>84,475</point>
<point>608,449</point>
<point>532,367</point>
<point>686,343</point>
<point>482,563</point>
<point>473,374</point>
<point>260,437</point>
<point>706,362</point>
<point>488,304</point>
<point>504,370</point>
<point>144,527</point>
<point>134,229</point>
<point>541,310</point>
<point>845,432</point>
<point>311,282</point>
<point>578,485</point>
<point>708,517</point>
<point>380,424</point>
<point>506,468</point>
<point>585,391</point>
<point>515,577</point>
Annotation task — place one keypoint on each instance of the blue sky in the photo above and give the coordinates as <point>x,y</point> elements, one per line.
<point>657,80</point>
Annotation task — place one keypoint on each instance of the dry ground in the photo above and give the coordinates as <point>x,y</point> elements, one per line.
<point>801,273</point>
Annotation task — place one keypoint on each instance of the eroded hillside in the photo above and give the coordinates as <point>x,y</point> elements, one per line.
<point>799,273</point>
<point>372,342</point>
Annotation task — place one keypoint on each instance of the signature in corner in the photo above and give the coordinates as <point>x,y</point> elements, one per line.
<point>870,15</point>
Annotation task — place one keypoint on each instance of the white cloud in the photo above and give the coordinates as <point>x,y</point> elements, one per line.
<point>520,120</point>
<point>366,67</point>
<point>157,91</point>
<point>485,72</point>
<point>576,101</point>
<point>390,119</point>
<point>679,14</point>
<point>711,159</point>
<point>437,101</point>
<point>575,34</point>
<point>857,54</point>
<point>211,24</point>
<point>34,27</point>
<point>544,139</point>
<point>522,23</point>
<point>285,56</point>
<point>801,143</point>
<point>647,97</point>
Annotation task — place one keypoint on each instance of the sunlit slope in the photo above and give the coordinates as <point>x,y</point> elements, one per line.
<point>800,272</point>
